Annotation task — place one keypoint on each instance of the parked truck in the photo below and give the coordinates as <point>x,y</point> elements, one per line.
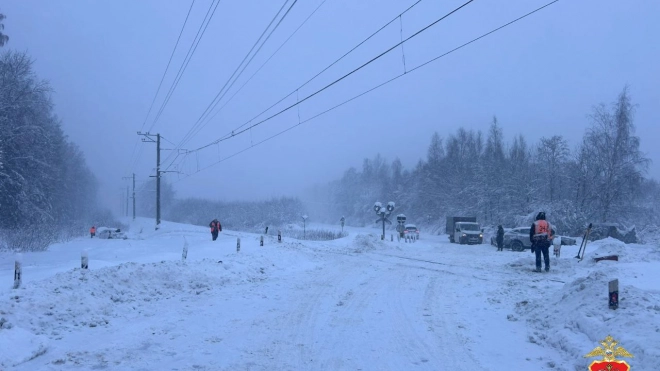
<point>464,230</point>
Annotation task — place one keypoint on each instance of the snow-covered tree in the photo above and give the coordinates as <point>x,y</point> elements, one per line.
<point>613,157</point>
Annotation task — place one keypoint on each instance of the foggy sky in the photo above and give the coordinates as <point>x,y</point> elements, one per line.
<point>540,77</point>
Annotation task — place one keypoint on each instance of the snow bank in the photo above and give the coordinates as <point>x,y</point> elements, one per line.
<point>80,300</point>
<point>578,312</point>
<point>365,242</point>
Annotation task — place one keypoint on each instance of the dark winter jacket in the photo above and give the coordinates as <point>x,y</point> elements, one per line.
<point>500,235</point>
<point>215,226</point>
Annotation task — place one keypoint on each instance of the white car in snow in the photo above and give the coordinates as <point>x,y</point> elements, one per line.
<point>110,233</point>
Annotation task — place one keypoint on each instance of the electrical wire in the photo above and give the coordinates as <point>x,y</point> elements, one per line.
<point>234,133</point>
<point>240,73</point>
<point>191,51</point>
<point>216,98</point>
<point>269,58</point>
<point>160,84</point>
<point>168,65</point>
<point>327,68</point>
<point>372,89</point>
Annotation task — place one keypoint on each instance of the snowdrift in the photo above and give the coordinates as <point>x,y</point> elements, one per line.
<point>578,313</point>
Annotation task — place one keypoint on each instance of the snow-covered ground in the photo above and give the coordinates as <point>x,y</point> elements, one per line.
<point>356,303</point>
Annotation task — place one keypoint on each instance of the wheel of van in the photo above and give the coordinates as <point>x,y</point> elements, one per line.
<point>517,246</point>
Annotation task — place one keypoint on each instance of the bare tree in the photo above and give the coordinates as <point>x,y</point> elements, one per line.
<point>614,155</point>
<point>551,155</point>
<point>3,38</point>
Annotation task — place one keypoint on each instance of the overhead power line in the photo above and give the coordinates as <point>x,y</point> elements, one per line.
<point>162,78</point>
<point>370,90</point>
<point>243,64</point>
<point>168,65</point>
<point>268,60</point>
<point>207,119</point>
<point>235,133</point>
<point>319,73</point>
<point>184,65</point>
<point>327,67</point>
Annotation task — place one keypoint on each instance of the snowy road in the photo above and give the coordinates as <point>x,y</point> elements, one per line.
<point>351,304</point>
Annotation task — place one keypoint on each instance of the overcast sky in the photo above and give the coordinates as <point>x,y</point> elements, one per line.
<point>540,77</point>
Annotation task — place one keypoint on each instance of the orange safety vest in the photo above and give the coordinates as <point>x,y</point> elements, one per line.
<point>92,230</point>
<point>542,227</point>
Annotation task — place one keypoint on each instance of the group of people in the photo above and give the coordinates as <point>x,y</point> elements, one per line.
<point>540,235</point>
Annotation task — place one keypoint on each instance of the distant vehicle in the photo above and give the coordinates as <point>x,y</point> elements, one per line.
<point>411,231</point>
<point>110,233</point>
<point>464,230</point>
<point>517,239</point>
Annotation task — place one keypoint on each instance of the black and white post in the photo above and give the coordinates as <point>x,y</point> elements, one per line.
<point>238,244</point>
<point>261,241</point>
<point>84,260</point>
<point>279,236</point>
<point>342,220</point>
<point>304,218</point>
<point>18,271</point>
<point>184,254</point>
<point>614,294</point>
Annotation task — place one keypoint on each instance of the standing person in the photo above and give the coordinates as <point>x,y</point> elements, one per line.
<point>215,228</point>
<point>92,231</point>
<point>540,235</point>
<point>500,238</point>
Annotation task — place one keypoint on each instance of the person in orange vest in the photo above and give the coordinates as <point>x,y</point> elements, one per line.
<point>540,234</point>
<point>92,231</point>
<point>215,228</point>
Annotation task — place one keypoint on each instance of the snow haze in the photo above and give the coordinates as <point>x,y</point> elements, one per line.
<point>540,77</point>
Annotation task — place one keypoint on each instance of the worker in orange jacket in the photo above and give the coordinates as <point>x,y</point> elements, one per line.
<point>215,228</point>
<point>540,235</point>
<point>92,231</point>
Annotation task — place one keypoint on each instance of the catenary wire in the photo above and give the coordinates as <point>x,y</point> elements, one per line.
<point>215,99</point>
<point>209,117</point>
<point>372,89</point>
<point>168,65</point>
<point>161,82</point>
<point>191,51</point>
<point>269,58</point>
<point>332,64</point>
<point>234,133</point>
<point>328,67</point>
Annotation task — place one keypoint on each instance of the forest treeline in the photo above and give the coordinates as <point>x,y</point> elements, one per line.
<point>500,181</point>
<point>47,191</point>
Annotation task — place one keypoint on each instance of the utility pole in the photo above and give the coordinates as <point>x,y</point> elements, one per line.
<point>127,197</point>
<point>157,180</point>
<point>128,177</point>
<point>149,138</point>
<point>133,196</point>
